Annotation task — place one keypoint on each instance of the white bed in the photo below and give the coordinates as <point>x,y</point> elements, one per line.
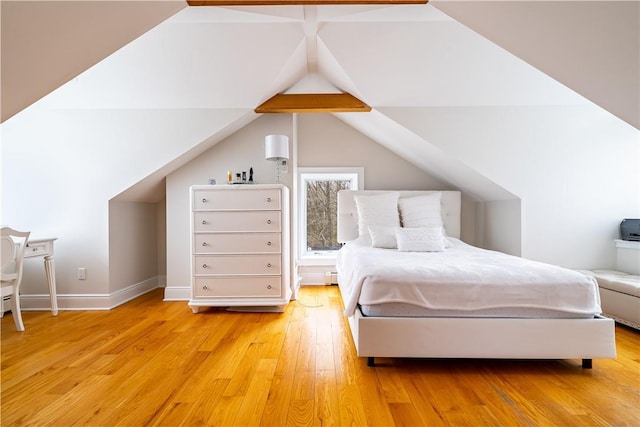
<point>479,326</point>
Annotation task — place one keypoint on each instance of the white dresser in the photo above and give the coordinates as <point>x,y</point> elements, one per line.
<point>240,246</point>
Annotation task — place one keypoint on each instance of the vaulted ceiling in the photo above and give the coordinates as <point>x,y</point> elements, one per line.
<point>592,47</point>
<point>166,55</point>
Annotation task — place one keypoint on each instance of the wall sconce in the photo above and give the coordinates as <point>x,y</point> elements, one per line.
<point>276,148</point>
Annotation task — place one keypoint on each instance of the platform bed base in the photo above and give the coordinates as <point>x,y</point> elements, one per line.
<point>483,338</point>
<point>586,363</point>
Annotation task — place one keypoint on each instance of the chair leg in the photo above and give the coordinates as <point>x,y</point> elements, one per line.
<point>16,312</point>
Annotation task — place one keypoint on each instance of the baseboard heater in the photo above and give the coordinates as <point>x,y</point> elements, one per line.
<point>331,278</point>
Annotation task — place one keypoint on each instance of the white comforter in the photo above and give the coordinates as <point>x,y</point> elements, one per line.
<point>462,277</point>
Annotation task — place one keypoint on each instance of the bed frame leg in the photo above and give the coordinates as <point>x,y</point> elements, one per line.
<point>587,363</point>
<point>371,361</point>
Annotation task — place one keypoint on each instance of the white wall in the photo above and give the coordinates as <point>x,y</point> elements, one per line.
<point>239,152</point>
<point>575,170</point>
<point>501,226</point>
<point>133,242</point>
<point>60,168</point>
<point>327,141</point>
<point>323,140</point>
<point>161,233</point>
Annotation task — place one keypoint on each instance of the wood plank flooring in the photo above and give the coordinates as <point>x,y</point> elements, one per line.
<point>155,363</point>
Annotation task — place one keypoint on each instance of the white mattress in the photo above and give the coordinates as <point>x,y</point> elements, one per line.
<point>463,278</point>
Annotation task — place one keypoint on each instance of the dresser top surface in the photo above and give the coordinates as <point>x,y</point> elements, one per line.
<point>232,187</point>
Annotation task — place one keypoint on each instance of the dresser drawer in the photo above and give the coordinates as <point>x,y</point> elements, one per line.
<point>237,199</point>
<point>237,264</point>
<point>237,221</point>
<point>234,243</point>
<point>238,286</point>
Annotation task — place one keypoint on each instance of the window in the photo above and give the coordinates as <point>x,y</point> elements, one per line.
<point>318,207</point>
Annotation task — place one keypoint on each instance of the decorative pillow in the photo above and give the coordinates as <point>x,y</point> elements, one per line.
<point>383,236</point>
<point>423,239</point>
<point>421,211</point>
<point>379,209</point>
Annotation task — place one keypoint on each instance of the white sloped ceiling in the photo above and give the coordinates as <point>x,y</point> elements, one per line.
<point>47,43</point>
<point>391,56</point>
<point>593,47</point>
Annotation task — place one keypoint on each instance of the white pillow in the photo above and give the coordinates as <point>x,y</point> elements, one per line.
<point>423,239</point>
<point>380,209</point>
<point>383,236</point>
<point>421,211</point>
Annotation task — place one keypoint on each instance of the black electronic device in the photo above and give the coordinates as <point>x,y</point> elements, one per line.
<point>630,229</point>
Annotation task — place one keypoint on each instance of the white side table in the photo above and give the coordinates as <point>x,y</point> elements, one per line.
<point>44,248</point>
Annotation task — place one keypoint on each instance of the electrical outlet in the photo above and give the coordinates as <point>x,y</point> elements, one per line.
<point>82,273</point>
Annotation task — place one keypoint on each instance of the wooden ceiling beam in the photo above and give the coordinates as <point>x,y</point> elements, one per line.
<point>298,2</point>
<point>313,103</point>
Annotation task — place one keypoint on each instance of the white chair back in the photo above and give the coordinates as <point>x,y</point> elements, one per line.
<point>7,251</point>
<point>12,247</point>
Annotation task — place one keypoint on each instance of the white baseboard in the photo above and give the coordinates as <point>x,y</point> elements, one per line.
<point>39,302</point>
<point>177,293</point>
<point>295,288</point>
<point>311,278</point>
<point>162,281</point>
<point>317,278</point>
<point>133,291</point>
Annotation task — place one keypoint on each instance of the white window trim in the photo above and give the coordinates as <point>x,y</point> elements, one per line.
<point>307,173</point>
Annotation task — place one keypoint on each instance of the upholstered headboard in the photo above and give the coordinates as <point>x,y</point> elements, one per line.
<point>348,213</point>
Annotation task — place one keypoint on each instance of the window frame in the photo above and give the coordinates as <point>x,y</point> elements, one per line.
<point>317,174</point>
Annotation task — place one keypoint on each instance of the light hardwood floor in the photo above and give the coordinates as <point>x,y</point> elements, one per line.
<point>150,363</point>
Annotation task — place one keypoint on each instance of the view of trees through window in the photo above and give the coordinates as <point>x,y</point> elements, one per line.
<point>322,211</point>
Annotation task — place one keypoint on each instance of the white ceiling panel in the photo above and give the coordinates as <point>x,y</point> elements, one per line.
<point>386,13</point>
<point>190,66</point>
<point>240,14</point>
<point>436,64</point>
<point>416,150</point>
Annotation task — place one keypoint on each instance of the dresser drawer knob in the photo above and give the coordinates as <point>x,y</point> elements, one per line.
<point>205,266</point>
<point>204,288</point>
<point>204,243</point>
<point>269,265</point>
<point>269,287</point>
<point>204,221</point>
<point>204,200</point>
<point>268,243</point>
<point>268,221</point>
<point>268,199</point>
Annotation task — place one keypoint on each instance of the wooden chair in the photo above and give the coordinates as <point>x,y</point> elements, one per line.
<point>12,246</point>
